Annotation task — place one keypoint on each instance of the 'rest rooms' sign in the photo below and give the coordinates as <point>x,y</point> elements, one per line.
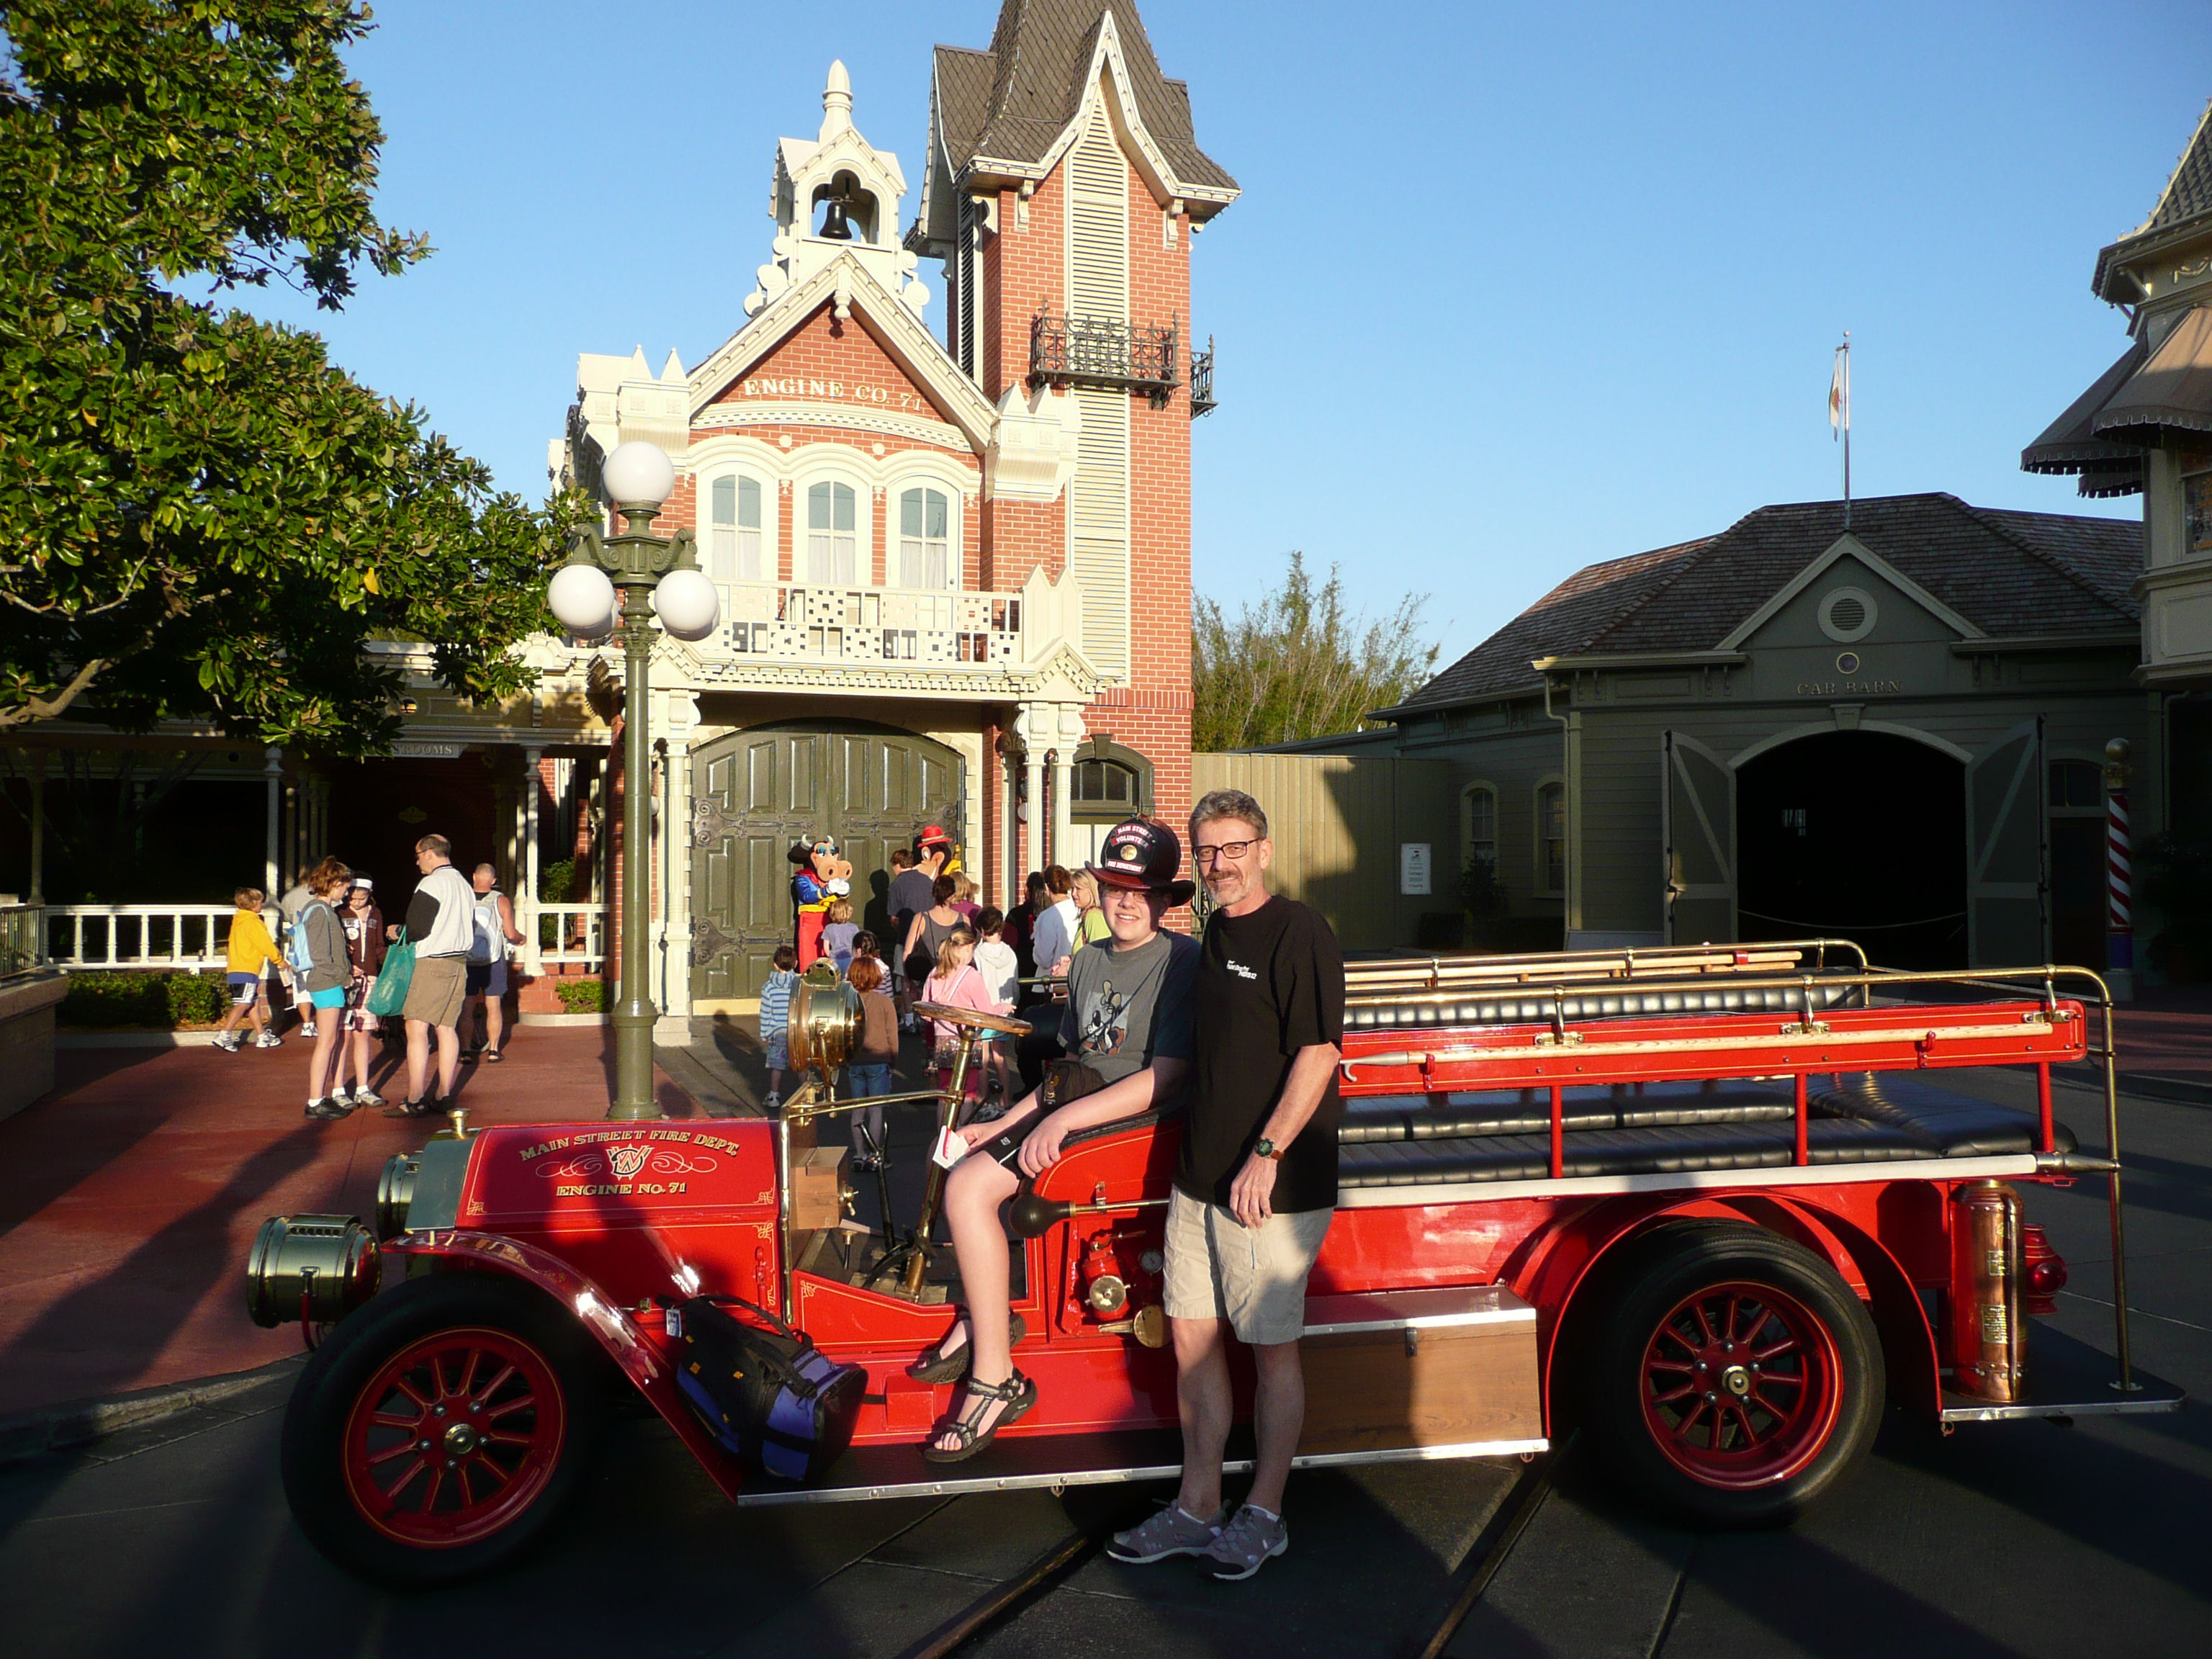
<point>550,1170</point>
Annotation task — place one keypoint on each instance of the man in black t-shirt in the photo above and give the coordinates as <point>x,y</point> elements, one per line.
<point>1255,1186</point>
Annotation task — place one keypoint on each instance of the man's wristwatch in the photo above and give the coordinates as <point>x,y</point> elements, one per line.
<point>1266,1148</point>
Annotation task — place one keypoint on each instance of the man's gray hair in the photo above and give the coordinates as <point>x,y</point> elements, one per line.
<point>1228,803</point>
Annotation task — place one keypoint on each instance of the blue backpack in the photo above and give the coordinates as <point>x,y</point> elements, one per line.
<point>297,951</point>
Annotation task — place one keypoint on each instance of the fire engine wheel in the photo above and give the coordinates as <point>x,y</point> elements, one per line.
<point>441,1429</point>
<point>1738,1378</point>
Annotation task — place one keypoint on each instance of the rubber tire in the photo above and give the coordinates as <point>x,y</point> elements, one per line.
<point>313,1450</point>
<point>1658,1274</point>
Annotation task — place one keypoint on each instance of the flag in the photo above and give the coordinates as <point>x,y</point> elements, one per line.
<point>1839,392</point>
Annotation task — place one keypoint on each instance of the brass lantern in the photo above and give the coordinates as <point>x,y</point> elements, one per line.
<point>825,1020</point>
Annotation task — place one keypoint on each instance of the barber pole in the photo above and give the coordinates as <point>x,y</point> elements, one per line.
<point>2119,927</point>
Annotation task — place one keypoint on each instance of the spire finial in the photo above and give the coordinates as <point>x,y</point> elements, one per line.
<point>836,103</point>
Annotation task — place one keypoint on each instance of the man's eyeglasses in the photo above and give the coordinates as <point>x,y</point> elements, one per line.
<point>1232,850</point>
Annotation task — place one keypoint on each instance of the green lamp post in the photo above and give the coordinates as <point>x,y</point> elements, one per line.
<point>623,581</point>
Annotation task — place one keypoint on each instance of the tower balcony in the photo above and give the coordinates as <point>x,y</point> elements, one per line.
<point>1202,400</point>
<point>1105,352</point>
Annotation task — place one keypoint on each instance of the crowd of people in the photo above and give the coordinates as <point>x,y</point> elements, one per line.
<point>326,943</point>
<point>1240,1029</point>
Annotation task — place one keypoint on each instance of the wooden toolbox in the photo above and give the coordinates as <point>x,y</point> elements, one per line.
<point>1386,1370</point>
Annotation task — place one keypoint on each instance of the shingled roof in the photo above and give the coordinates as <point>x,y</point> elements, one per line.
<point>2011,574</point>
<point>2185,203</point>
<point>1011,103</point>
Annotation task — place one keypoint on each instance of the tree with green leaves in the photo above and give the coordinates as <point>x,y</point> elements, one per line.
<point>1298,664</point>
<point>200,515</point>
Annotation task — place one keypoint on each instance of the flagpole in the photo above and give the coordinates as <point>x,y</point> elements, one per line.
<point>1847,428</point>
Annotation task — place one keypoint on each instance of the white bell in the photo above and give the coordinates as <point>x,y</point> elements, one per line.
<point>583,598</point>
<point>687,605</point>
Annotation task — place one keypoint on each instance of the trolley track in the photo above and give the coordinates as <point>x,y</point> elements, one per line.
<point>1004,1600</point>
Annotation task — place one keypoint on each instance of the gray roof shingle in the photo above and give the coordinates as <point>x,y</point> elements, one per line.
<point>2009,574</point>
<point>1034,66</point>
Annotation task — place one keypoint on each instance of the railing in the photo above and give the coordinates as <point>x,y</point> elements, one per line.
<point>1202,400</point>
<point>1104,352</point>
<point>570,934</point>
<point>136,935</point>
<point>887,627</point>
<point>19,938</point>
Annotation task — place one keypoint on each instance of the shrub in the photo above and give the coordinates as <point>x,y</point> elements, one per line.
<point>102,997</point>
<point>196,998</point>
<point>556,885</point>
<point>583,996</point>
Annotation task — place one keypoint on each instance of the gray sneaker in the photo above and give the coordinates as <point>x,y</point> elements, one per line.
<point>1169,1532</point>
<point>1251,1536</point>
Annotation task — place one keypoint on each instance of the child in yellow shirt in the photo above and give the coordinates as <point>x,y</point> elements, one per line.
<point>251,947</point>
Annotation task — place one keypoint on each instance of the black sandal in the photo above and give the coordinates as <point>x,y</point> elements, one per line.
<point>415,1108</point>
<point>1020,1393</point>
<point>936,1365</point>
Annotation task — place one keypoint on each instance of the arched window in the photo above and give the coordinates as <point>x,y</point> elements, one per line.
<point>1478,824</point>
<point>733,529</point>
<point>1552,838</point>
<point>833,537</point>
<point>926,544</point>
<point>1108,782</point>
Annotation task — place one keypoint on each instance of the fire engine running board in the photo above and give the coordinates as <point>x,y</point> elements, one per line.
<point>2067,1377</point>
<point>868,1473</point>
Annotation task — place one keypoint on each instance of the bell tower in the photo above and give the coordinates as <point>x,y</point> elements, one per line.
<point>836,195</point>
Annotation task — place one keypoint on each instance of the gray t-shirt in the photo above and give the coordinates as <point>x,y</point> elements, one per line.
<point>1126,1008</point>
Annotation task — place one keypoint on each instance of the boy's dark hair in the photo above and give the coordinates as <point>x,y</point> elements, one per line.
<point>1036,884</point>
<point>866,943</point>
<point>1056,879</point>
<point>943,889</point>
<point>989,920</point>
<point>248,898</point>
<point>785,958</point>
<point>900,858</point>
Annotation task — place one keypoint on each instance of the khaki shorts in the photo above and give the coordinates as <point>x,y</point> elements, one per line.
<point>1254,1278</point>
<point>434,995</point>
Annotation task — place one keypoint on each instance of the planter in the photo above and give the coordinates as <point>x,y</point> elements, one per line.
<point>27,1036</point>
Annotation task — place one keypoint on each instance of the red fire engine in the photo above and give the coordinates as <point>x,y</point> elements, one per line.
<point>1716,1206</point>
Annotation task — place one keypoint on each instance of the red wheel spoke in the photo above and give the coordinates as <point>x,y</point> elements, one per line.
<point>489,1465</point>
<point>1689,1418</point>
<point>1682,1393</point>
<point>1784,1344</point>
<point>508,1407</point>
<point>406,1478</point>
<point>510,1439</point>
<point>392,1420</point>
<point>479,1396</point>
<point>437,1484</point>
<point>1704,1324</point>
<point>405,1449</point>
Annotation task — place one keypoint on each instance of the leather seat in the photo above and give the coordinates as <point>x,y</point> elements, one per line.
<point>1529,1111</point>
<point>1952,1125</point>
<point>1621,1151</point>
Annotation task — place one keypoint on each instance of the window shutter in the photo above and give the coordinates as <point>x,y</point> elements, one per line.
<point>1098,496</point>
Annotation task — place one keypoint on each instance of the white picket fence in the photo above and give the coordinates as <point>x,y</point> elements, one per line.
<point>194,936</point>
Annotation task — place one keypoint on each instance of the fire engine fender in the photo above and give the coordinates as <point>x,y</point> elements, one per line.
<point>1555,1264</point>
<point>457,1249</point>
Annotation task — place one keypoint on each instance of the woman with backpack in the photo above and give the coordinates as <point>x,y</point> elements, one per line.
<point>927,933</point>
<point>322,968</point>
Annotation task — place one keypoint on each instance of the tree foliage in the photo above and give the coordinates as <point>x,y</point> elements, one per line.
<point>199,514</point>
<point>1298,664</point>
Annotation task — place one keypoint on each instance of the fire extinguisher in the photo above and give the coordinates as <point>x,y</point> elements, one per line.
<point>1988,1334</point>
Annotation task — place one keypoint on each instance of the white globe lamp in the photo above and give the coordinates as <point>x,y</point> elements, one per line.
<point>687,605</point>
<point>638,474</point>
<point>583,598</point>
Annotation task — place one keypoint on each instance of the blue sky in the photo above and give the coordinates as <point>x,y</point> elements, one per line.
<point>1510,289</point>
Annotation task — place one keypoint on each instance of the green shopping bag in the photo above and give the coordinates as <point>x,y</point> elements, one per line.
<point>392,979</point>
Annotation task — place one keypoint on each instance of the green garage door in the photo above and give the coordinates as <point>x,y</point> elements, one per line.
<point>756,792</point>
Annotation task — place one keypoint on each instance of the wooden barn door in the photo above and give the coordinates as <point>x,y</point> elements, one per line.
<point>756,792</point>
<point>2008,855</point>
<point>1697,800</point>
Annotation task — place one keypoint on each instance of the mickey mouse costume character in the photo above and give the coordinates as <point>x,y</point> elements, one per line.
<point>823,874</point>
